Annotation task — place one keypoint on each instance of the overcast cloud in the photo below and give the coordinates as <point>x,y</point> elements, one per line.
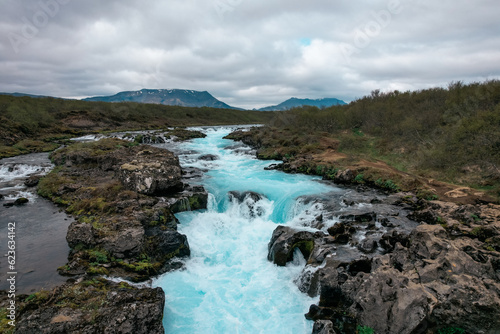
<point>247,53</point>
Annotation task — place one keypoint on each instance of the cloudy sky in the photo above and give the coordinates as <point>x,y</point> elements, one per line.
<point>248,53</point>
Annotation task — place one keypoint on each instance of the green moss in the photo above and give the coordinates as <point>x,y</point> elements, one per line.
<point>306,247</point>
<point>50,184</point>
<point>5,327</point>
<point>365,330</point>
<point>99,256</point>
<point>143,267</point>
<point>359,178</point>
<point>451,330</point>
<point>97,270</point>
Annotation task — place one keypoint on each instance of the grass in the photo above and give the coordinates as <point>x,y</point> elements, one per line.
<point>37,125</point>
<point>5,327</point>
<point>365,330</point>
<point>451,330</point>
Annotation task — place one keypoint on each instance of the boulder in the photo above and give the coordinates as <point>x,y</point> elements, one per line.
<point>80,233</point>
<point>368,245</point>
<point>21,201</point>
<point>152,172</point>
<point>285,240</point>
<point>105,308</point>
<point>32,181</point>
<point>208,157</point>
<point>251,207</point>
<point>192,198</point>
<point>344,177</point>
<point>128,243</point>
<point>240,196</point>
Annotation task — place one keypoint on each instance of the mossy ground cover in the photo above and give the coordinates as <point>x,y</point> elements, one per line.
<point>94,196</point>
<point>425,141</point>
<point>38,124</point>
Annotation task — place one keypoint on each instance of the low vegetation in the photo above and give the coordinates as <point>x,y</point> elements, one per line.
<point>40,124</point>
<point>452,135</point>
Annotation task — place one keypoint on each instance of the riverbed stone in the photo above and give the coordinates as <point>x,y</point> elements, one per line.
<point>103,307</point>
<point>80,233</point>
<point>32,181</point>
<point>285,240</point>
<point>152,172</point>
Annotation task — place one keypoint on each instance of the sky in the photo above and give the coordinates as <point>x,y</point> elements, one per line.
<point>247,53</point>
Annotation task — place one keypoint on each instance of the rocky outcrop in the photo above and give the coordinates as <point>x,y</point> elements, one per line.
<point>151,172</point>
<point>430,282</point>
<point>122,228</point>
<point>32,181</point>
<point>208,157</point>
<point>97,306</point>
<point>250,203</point>
<point>191,198</point>
<point>285,240</point>
<point>377,269</point>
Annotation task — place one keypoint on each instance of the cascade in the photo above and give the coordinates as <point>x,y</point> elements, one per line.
<point>228,285</point>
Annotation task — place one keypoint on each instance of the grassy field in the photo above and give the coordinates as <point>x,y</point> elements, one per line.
<point>452,135</point>
<point>38,124</point>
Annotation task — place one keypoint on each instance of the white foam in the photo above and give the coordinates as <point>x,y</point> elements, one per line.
<point>17,171</point>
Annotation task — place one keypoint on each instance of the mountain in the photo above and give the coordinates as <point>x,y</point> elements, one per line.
<point>23,94</point>
<point>295,102</point>
<point>173,97</point>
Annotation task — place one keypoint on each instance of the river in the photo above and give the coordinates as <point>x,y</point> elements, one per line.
<point>228,285</point>
<point>40,227</point>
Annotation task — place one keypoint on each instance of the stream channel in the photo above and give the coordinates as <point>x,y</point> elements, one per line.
<point>227,285</point>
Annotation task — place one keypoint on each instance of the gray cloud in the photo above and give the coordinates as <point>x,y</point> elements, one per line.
<point>247,53</point>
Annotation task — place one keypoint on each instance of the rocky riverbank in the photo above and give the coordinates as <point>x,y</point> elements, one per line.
<point>403,263</point>
<point>122,196</point>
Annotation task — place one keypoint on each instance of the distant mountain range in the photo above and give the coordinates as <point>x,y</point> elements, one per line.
<point>173,97</point>
<point>295,102</point>
<point>193,98</point>
<point>23,94</point>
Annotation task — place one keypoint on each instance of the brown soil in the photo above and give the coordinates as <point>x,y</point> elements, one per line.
<point>445,191</point>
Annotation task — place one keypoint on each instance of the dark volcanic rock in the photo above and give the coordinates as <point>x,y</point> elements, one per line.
<point>32,181</point>
<point>240,196</point>
<point>80,233</point>
<point>191,198</point>
<point>323,327</point>
<point>285,240</point>
<point>151,172</point>
<point>208,157</point>
<point>368,245</point>
<point>21,201</point>
<point>250,201</point>
<point>104,307</point>
<point>430,283</point>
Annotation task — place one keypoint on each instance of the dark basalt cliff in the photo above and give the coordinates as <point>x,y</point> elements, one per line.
<point>394,262</point>
<point>122,196</point>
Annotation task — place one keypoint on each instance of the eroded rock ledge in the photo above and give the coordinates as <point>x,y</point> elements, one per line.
<point>440,274</point>
<point>92,306</point>
<point>123,196</point>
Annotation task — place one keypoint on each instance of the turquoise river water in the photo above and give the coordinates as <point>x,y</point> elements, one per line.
<point>228,285</point>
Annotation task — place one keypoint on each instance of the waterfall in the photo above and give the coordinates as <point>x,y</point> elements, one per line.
<point>228,285</point>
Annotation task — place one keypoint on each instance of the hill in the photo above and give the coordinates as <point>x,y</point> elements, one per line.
<point>24,94</point>
<point>32,125</point>
<point>451,135</point>
<point>171,97</point>
<point>295,102</point>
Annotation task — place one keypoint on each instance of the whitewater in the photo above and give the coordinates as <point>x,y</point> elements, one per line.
<point>228,285</point>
